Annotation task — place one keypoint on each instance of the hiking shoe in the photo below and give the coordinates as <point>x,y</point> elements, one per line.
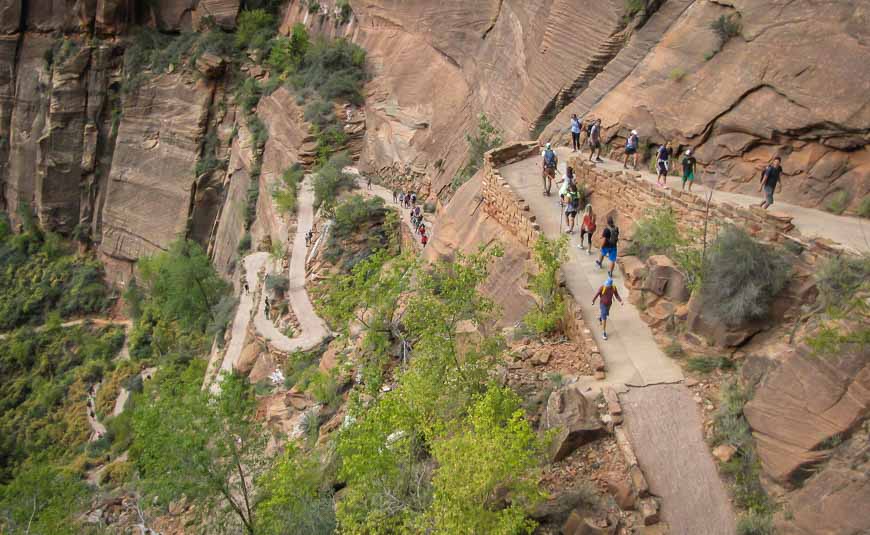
<point>589,252</point>
<point>599,160</point>
<point>604,335</point>
<point>598,263</point>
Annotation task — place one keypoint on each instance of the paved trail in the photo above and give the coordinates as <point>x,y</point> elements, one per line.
<point>662,420</point>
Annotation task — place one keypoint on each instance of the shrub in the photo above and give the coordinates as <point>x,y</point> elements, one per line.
<point>285,194</point>
<point>726,27</point>
<point>329,180</point>
<point>344,10</point>
<point>320,112</point>
<point>334,69</point>
<point>838,202</point>
<point>254,29</point>
<point>251,205</point>
<point>753,523</point>
<point>633,7</point>
<point>244,244</point>
<point>356,211</point>
<point>287,53</point>
<point>247,95</point>
<point>742,277</point>
<point>222,315</point>
<point>841,277</point>
<point>259,133</point>
<point>324,388</point>
<point>864,207</point>
<point>277,283</point>
<point>208,161</point>
<point>549,256</point>
<point>708,364</point>
<point>677,74</point>
<point>486,138</point>
<point>658,233</point>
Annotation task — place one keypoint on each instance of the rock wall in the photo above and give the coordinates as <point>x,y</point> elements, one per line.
<point>499,200</point>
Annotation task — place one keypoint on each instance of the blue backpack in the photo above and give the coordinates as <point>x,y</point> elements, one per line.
<point>550,158</point>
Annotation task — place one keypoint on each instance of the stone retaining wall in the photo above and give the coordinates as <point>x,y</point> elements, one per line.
<point>635,197</point>
<point>499,200</point>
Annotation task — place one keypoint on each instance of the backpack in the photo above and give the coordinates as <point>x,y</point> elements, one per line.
<point>631,142</point>
<point>614,237</point>
<point>549,158</point>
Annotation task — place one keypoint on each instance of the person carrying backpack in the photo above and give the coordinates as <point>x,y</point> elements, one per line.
<point>606,293</point>
<point>548,167</point>
<point>575,132</point>
<point>610,241</point>
<point>662,158</point>
<point>689,163</point>
<point>595,140</point>
<point>771,177</point>
<point>631,150</point>
<point>572,205</point>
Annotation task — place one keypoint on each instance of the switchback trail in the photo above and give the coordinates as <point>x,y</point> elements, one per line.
<point>661,417</point>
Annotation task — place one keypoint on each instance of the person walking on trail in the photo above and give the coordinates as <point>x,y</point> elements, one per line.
<point>662,158</point>
<point>610,241</point>
<point>548,167</point>
<point>605,295</point>
<point>576,128</point>
<point>567,180</point>
<point>587,227</point>
<point>689,164</point>
<point>595,141</point>
<point>572,205</point>
<point>770,179</point>
<point>413,199</point>
<point>424,240</point>
<point>631,150</point>
<point>266,307</point>
<point>247,289</point>
<point>369,182</point>
<point>395,196</point>
<point>401,199</point>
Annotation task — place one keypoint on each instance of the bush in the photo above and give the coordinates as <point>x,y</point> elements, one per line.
<point>755,524</point>
<point>677,74</point>
<point>742,277</point>
<point>329,180</point>
<point>709,364</point>
<point>247,95</point>
<point>333,69</point>
<point>841,277</point>
<point>726,27</point>
<point>320,112</point>
<point>277,283</point>
<point>323,387</point>
<point>838,202</point>
<point>254,30</point>
<point>864,207</point>
<point>549,256</point>
<point>244,244</point>
<point>485,139</point>
<point>657,233</point>
<point>251,205</point>
<point>633,7</point>
<point>287,53</point>
<point>208,161</point>
<point>344,11</point>
<point>351,214</point>
<point>285,194</point>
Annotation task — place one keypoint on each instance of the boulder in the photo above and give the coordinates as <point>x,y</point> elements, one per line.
<point>264,366</point>
<point>724,452</point>
<point>210,65</point>
<point>541,357</point>
<point>804,402</point>
<point>621,490</point>
<point>577,524</point>
<point>575,420</point>
<point>716,332</point>
<point>665,279</point>
<point>633,269</point>
<point>248,358</point>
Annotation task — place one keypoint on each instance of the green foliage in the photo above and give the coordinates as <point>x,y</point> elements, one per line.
<point>838,202</point>
<point>259,134</point>
<point>726,27</point>
<point>277,283</point>
<point>151,50</point>
<point>286,193</point>
<point>487,137</point>
<point>356,211</point>
<point>493,451</point>
<point>209,449</point>
<point>244,244</point>
<point>841,277</point>
<point>254,29</point>
<point>320,113</point>
<point>292,499</point>
<point>329,180</point>
<point>46,375</point>
<point>742,277</point>
<point>41,499</point>
<point>677,74</point>
<point>754,523</point>
<point>288,52</point>
<point>222,315</point>
<point>633,7</point>
<point>709,364</point>
<point>324,388</point>
<point>843,283</point>
<point>658,234</point>
<point>251,204</point>
<point>38,274</point>
<point>864,207</point>
<point>549,256</point>
<point>208,162</point>
<point>334,69</point>
<point>744,469</point>
<point>344,11</point>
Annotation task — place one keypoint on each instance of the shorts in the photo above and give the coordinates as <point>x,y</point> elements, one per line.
<point>604,311</point>
<point>768,195</point>
<point>662,166</point>
<point>688,177</point>
<point>609,252</point>
<point>595,144</point>
<point>550,172</point>
<point>570,210</point>
<point>630,150</point>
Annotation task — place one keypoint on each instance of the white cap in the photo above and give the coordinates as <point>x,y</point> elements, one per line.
<point>548,145</point>
<point>688,152</point>
<point>634,132</point>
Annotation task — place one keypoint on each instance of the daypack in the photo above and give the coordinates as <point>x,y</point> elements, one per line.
<point>631,142</point>
<point>549,158</point>
<point>614,237</point>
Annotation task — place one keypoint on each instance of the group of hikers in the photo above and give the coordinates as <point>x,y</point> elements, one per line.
<point>571,196</point>
<point>409,200</point>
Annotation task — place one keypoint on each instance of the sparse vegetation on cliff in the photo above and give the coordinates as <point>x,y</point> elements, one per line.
<point>487,137</point>
<point>550,311</point>
<point>657,233</point>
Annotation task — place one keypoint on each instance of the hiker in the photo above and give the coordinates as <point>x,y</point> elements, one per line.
<point>422,228</point>
<point>631,150</point>
<point>369,182</point>
<point>401,200</point>
<point>572,201</point>
<point>395,196</point>
<point>413,199</point>
<point>610,239</point>
<point>589,124</point>
<point>417,211</point>
<point>606,293</point>
<point>424,240</point>
<point>587,227</point>
<point>567,180</point>
<point>247,290</point>
<point>308,236</point>
<point>689,163</point>
<point>548,167</point>
<point>266,307</point>
<point>575,133</point>
<point>771,177</point>
<point>595,140</point>
<point>664,154</point>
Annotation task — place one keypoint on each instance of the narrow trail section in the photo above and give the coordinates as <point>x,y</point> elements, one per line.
<point>313,329</point>
<point>387,195</point>
<point>670,446</point>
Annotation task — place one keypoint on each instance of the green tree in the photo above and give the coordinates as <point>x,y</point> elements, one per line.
<point>329,180</point>
<point>205,448</point>
<point>41,500</point>
<point>292,499</point>
<point>287,52</point>
<point>549,256</point>
<point>182,283</point>
<point>493,453</point>
<point>486,138</point>
<point>254,29</point>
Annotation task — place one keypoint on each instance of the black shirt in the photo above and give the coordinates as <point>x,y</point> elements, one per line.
<point>689,165</point>
<point>772,173</point>
<point>611,236</point>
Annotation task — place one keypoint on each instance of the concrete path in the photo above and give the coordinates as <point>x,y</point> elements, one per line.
<point>97,427</point>
<point>670,447</point>
<point>313,329</point>
<point>851,232</point>
<point>99,322</point>
<point>387,195</point>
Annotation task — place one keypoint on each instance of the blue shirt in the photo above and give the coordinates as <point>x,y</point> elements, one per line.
<point>575,125</point>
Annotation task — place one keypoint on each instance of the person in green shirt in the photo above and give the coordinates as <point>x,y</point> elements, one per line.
<point>689,164</point>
